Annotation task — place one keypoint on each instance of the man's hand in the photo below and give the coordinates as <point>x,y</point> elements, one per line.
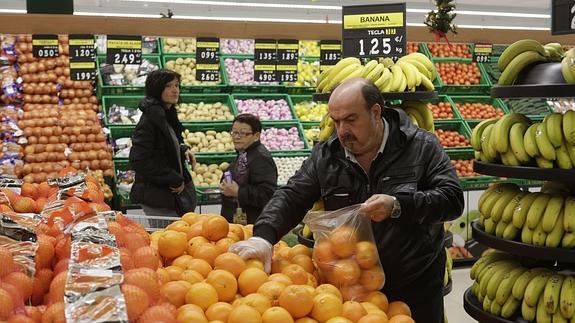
<point>191,158</point>
<point>178,189</point>
<point>255,248</point>
<point>229,189</point>
<point>378,207</point>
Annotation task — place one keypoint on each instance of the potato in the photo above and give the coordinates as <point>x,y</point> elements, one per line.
<point>187,68</point>
<point>208,141</point>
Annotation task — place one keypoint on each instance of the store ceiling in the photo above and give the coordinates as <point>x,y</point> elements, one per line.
<point>472,13</point>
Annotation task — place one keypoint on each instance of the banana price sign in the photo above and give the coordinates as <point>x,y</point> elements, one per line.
<point>374,31</point>
<point>482,53</point>
<point>562,17</point>
<point>123,49</point>
<point>208,59</point>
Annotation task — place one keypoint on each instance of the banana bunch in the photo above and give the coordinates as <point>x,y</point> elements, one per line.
<point>523,53</point>
<point>419,114</point>
<point>407,74</point>
<point>545,218</point>
<point>448,267</point>
<point>327,128</point>
<point>514,141</point>
<point>568,66</point>
<point>506,288</point>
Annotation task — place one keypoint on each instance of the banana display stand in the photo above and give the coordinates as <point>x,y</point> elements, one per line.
<point>527,276</point>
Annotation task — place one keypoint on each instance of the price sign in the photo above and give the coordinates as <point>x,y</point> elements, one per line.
<point>374,31</point>
<point>562,17</point>
<point>287,57</point>
<point>329,53</point>
<point>82,58</point>
<point>265,60</point>
<point>208,59</point>
<point>123,49</point>
<point>45,46</point>
<point>82,71</point>
<point>482,53</point>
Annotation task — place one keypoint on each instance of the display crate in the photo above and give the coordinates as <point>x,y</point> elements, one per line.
<point>247,88</point>
<point>122,89</point>
<point>150,45</point>
<point>209,98</point>
<point>129,101</point>
<point>298,98</point>
<point>211,194</point>
<point>459,126</point>
<point>482,88</point>
<point>117,132</point>
<point>533,108</point>
<point>287,125</point>
<point>121,200</point>
<point>470,47</point>
<point>162,46</point>
<point>214,126</point>
<point>267,97</point>
<point>447,99</point>
<point>496,103</point>
<point>293,89</point>
<point>207,88</point>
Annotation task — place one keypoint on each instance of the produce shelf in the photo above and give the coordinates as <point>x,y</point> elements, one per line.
<point>475,309</point>
<point>104,89</point>
<point>520,248</point>
<point>409,96</point>
<point>475,89</point>
<point>197,88</point>
<point>266,97</point>
<point>496,103</point>
<point>554,174</point>
<point>543,80</point>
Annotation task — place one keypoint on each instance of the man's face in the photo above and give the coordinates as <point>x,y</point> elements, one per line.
<point>355,124</point>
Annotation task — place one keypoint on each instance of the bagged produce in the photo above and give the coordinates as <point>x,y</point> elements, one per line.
<point>345,252</point>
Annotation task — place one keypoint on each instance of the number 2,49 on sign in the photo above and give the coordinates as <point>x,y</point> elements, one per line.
<point>124,58</point>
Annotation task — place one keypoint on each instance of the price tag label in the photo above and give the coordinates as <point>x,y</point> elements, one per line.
<point>82,71</point>
<point>329,53</point>
<point>287,57</point>
<point>374,31</point>
<point>208,59</point>
<point>562,17</point>
<point>45,46</point>
<point>482,53</point>
<point>123,49</point>
<point>265,60</point>
<point>82,58</point>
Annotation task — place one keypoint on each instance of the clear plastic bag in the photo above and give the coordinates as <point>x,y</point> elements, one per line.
<point>345,252</point>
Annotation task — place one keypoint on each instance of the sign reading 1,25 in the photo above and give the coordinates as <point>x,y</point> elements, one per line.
<point>123,49</point>
<point>374,31</point>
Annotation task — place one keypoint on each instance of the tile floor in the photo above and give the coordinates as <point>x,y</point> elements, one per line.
<point>454,301</point>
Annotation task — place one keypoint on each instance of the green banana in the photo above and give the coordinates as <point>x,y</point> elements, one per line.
<point>478,131</point>
<point>509,159</point>
<point>552,292</point>
<point>536,210</point>
<point>554,129</point>
<point>528,312</point>
<point>517,48</point>
<point>489,225</point>
<point>527,235</point>
<point>569,126</point>
<point>486,145</point>
<point>571,151</point>
<point>521,209</point>
<point>535,288</point>
<point>563,158</point>
<point>520,285</point>
<point>554,237</point>
<point>499,228</point>
<point>543,143</point>
<point>551,214</point>
<point>510,307</point>
<point>518,63</point>
<point>510,232</point>
<point>516,135</point>
<point>507,216</point>
<point>367,68</point>
<point>568,68</point>
<point>558,318</point>
<point>495,308</point>
<point>542,315</point>
<point>544,163</point>
<point>485,195</point>
<point>567,297</point>
<point>529,141</point>
<point>474,288</point>
<point>387,61</point>
<point>500,192</point>
<point>506,285</point>
<point>487,304</point>
<point>568,241</point>
<point>502,128</point>
<point>569,219</point>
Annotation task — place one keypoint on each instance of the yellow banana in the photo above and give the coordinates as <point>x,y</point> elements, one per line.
<point>375,74</point>
<point>516,135</point>
<point>543,143</point>
<point>507,215</point>
<point>551,214</point>
<point>506,285</point>
<point>544,163</point>
<point>517,48</point>
<point>553,123</point>
<point>542,315</point>
<point>563,158</point>
<point>552,292</point>
<point>529,141</point>
<point>569,219</point>
<point>341,75</point>
<point>367,68</point>
<point>567,297</point>
<point>535,288</point>
<point>521,209</point>
<point>554,237</point>
<point>397,78</point>
<point>536,211</point>
<point>569,126</point>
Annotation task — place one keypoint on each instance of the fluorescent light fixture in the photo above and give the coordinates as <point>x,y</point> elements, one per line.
<point>115,14</point>
<point>259,19</point>
<point>244,4</point>
<point>503,27</point>
<point>502,14</point>
<point>13,11</point>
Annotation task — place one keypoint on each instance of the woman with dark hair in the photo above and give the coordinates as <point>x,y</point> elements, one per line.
<point>163,186</point>
<point>254,174</point>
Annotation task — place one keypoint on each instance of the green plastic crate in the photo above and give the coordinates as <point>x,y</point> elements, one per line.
<point>128,101</point>
<point>297,98</point>
<point>245,88</point>
<point>221,87</point>
<point>491,70</point>
<point>533,108</point>
<point>163,46</point>
<point>122,89</point>
<point>306,55</point>
<point>223,98</point>
<point>292,89</point>
<point>117,132</point>
<point>287,125</point>
<point>155,43</point>
<point>313,126</point>
<point>121,200</point>
<point>211,194</point>
<point>482,88</point>
<point>497,103</point>
<point>446,99</point>
<point>266,97</point>
<point>469,48</point>
<point>455,125</point>
<point>214,126</point>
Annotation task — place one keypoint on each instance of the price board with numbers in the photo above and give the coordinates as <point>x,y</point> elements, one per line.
<point>82,57</point>
<point>562,17</point>
<point>329,53</point>
<point>482,53</point>
<point>265,60</point>
<point>374,31</point>
<point>45,46</point>
<point>208,59</point>
<point>287,57</point>
<point>123,49</point>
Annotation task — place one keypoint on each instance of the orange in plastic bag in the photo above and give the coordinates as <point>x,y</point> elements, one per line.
<point>345,252</point>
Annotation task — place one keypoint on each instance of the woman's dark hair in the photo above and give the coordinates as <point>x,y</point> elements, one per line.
<point>251,120</point>
<point>157,80</point>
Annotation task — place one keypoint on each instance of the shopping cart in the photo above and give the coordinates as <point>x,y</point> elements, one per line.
<point>153,223</point>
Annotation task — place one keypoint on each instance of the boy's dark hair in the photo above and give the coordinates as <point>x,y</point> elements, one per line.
<point>251,120</point>
<point>157,80</point>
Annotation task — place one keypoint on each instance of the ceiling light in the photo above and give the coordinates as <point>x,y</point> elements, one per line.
<point>259,19</point>
<point>13,11</point>
<point>244,4</point>
<point>503,27</point>
<point>115,14</point>
<point>502,14</point>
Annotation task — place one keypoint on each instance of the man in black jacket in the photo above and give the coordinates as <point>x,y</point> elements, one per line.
<point>404,179</point>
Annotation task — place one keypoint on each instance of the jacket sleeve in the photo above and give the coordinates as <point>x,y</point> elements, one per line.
<point>290,202</point>
<point>263,180</point>
<point>442,199</point>
<point>151,163</point>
